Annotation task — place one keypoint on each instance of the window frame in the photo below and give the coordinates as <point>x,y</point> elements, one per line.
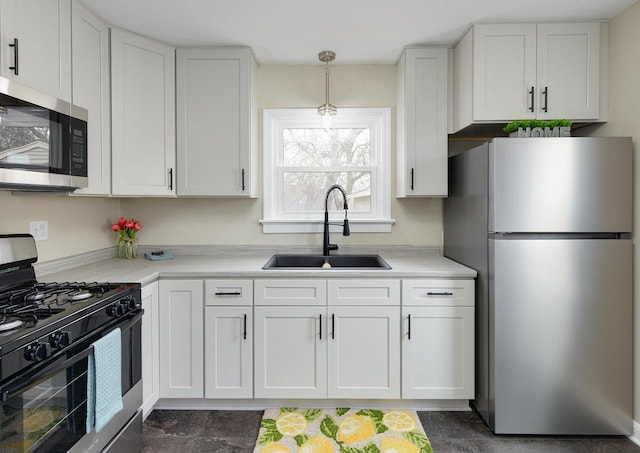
<point>378,119</point>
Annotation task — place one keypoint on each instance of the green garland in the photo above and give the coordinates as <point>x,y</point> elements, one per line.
<point>515,125</point>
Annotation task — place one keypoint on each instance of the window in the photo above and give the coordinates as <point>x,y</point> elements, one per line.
<point>302,160</point>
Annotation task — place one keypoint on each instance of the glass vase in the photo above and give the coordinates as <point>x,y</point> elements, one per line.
<point>127,249</point>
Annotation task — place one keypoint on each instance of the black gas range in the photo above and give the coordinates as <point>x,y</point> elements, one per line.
<point>39,319</point>
<point>47,331</point>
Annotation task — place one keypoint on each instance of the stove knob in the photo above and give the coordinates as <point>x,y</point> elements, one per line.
<point>113,310</point>
<point>124,305</point>
<point>132,303</point>
<point>37,352</point>
<point>60,340</point>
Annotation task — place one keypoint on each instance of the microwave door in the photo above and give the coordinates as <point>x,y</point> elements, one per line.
<point>25,133</point>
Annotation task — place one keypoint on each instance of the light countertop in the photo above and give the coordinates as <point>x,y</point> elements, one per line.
<point>240,262</point>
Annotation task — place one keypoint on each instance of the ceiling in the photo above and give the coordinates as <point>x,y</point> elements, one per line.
<point>359,31</point>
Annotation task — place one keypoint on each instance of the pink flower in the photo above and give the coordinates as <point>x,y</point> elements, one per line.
<point>122,221</point>
<point>115,227</point>
<point>136,226</point>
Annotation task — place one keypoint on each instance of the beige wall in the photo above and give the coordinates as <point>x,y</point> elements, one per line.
<point>235,221</point>
<point>78,225</point>
<point>624,120</point>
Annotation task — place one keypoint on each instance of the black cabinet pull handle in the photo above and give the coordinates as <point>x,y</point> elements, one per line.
<point>244,335</point>
<point>409,331</point>
<point>14,68</point>
<point>231,293</point>
<point>444,293</point>
<point>546,99</point>
<point>171,179</point>
<point>333,326</point>
<point>531,109</point>
<point>412,174</point>
<point>243,185</point>
<point>321,326</point>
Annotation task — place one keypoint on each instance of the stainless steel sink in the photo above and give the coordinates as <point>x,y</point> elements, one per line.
<point>326,262</point>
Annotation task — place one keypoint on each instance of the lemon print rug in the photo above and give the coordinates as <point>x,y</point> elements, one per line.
<point>343,430</point>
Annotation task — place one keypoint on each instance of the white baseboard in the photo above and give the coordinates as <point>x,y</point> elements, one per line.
<point>635,438</point>
<point>260,404</point>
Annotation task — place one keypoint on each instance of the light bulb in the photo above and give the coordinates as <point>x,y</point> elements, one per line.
<point>327,121</point>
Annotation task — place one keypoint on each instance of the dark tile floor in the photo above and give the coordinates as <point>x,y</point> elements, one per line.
<point>449,432</point>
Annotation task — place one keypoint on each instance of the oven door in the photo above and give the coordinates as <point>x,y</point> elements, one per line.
<point>46,410</point>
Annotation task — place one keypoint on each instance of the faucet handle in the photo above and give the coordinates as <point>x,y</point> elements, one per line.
<point>345,228</point>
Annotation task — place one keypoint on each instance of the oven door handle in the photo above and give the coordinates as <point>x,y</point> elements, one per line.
<point>25,381</point>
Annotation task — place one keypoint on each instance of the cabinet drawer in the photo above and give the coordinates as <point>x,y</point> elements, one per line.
<point>290,292</point>
<point>364,292</point>
<point>228,292</point>
<point>438,292</point>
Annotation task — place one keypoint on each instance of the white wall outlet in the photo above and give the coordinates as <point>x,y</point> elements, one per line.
<point>39,229</point>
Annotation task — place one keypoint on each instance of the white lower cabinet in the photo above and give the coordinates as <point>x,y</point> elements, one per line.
<point>228,336</point>
<point>290,352</point>
<point>438,339</point>
<point>364,352</point>
<point>350,349</point>
<point>309,339</point>
<point>182,339</point>
<point>150,349</point>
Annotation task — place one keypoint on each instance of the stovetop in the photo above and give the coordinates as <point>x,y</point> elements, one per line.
<point>34,308</point>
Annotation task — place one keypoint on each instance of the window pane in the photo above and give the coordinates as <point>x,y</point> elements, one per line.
<point>305,192</point>
<point>320,148</point>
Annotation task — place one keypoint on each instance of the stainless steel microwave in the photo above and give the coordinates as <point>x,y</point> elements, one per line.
<point>43,141</point>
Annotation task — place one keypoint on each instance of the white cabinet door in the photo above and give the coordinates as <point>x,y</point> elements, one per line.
<point>363,352</point>
<point>568,71</point>
<point>143,115</point>
<point>42,57</point>
<point>182,339</point>
<point>422,122</point>
<point>91,90</point>
<point>290,352</point>
<point>216,122</point>
<point>228,352</point>
<point>504,72</point>
<point>438,352</point>
<point>150,348</point>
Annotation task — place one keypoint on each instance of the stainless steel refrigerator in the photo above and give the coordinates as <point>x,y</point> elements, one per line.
<point>547,223</point>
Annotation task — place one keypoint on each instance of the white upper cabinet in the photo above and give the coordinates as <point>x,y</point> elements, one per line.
<point>422,122</point>
<point>91,90</point>
<point>505,72</point>
<point>36,44</point>
<point>143,116</point>
<point>568,71</point>
<point>216,122</point>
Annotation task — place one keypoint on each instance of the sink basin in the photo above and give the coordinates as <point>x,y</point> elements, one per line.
<point>319,262</point>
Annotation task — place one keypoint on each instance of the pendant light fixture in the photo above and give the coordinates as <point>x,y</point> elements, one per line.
<point>327,110</point>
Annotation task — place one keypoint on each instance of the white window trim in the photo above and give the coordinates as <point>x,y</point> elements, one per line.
<point>274,120</point>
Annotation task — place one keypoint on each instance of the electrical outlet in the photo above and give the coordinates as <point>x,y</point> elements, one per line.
<point>39,229</point>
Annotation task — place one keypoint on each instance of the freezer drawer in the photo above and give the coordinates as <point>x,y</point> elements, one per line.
<point>555,185</point>
<point>561,327</point>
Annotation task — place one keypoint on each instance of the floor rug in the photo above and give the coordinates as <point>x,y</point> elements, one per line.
<point>343,430</point>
